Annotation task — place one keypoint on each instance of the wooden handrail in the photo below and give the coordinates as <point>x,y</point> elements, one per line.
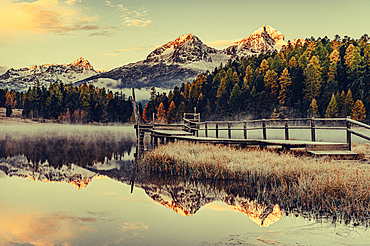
<point>270,124</point>
<point>359,134</point>
<point>358,123</point>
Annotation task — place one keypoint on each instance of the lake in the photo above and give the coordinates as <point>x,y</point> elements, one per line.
<point>46,199</point>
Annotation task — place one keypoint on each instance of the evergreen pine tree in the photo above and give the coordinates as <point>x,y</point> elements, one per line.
<point>313,110</point>
<point>358,111</point>
<point>312,79</point>
<point>171,114</point>
<point>248,79</point>
<point>181,111</point>
<point>285,82</point>
<point>235,100</point>
<point>161,113</point>
<point>332,109</point>
<point>348,104</point>
<point>271,81</point>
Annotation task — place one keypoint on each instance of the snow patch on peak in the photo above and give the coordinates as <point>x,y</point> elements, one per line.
<point>272,32</point>
<point>82,63</point>
<point>184,38</point>
<point>264,39</point>
<point>186,50</point>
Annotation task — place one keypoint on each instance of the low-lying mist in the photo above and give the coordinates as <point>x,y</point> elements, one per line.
<point>66,144</point>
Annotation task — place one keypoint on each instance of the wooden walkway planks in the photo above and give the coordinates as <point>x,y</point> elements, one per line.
<point>338,150</point>
<point>190,129</point>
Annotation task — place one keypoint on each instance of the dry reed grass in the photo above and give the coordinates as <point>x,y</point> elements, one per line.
<point>339,189</point>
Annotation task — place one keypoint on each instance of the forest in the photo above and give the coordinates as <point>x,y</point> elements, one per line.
<point>69,104</point>
<point>307,78</point>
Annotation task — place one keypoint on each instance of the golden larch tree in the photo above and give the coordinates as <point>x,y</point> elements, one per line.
<point>358,111</point>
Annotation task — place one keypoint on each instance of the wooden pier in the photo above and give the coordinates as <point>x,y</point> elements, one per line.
<point>238,133</point>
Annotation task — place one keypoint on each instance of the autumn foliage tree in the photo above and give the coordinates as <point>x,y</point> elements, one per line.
<point>358,111</point>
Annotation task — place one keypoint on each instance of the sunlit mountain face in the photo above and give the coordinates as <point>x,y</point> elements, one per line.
<point>168,65</point>
<point>46,74</point>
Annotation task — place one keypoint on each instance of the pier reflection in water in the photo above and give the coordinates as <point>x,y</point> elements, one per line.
<point>92,204</point>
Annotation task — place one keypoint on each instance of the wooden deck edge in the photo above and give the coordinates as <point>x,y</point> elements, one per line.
<point>335,154</point>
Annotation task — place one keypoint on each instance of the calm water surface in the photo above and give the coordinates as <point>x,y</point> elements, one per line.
<point>97,203</point>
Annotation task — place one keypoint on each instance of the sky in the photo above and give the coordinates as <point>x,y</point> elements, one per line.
<point>114,33</point>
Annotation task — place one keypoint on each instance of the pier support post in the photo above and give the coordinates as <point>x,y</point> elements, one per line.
<point>313,137</point>
<point>349,137</point>
<point>216,129</point>
<point>205,128</point>
<point>245,130</point>
<point>229,130</point>
<point>286,130</point>
<point>264,129</point>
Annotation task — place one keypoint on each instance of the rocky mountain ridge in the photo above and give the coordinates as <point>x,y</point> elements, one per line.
<point>166,66</point>
<point>21,79</point>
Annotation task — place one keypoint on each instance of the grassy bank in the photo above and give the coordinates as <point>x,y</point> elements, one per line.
<point>321,186</point>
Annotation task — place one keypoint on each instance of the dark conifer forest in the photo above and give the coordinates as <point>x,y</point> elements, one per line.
<point>307,78</point>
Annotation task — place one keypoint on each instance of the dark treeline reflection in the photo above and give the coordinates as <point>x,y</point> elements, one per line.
<point>65,150</point>
<point>256,200</point>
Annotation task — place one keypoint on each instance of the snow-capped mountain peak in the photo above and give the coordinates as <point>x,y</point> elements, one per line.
<point>187,51</point>
<point>21,79</point>
<point>82,63</point>
<point>272,32</point>
<point>264,39</point>
<point>175,62</point>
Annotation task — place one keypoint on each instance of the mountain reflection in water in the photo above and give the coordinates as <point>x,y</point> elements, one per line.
<point>103,168</point>
<point>185,197</point>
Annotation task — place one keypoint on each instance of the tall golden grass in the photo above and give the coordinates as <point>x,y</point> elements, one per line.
<point>297,183</point>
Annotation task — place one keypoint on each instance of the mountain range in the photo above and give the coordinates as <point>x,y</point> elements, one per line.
<point>166,66</point>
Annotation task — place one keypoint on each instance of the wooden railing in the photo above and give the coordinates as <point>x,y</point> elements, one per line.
<point>311,124</point>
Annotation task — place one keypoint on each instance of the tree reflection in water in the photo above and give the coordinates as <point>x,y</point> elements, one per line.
<point>264,208</point>
<point>256,200</point>
<point>65,150</point>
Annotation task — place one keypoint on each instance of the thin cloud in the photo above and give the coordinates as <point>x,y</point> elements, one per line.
<point>109,4</point>
<point>129,226</point>
<point>220,43</point>
<point>133,48</point>
<point>106,31</point>
<point>132,18</point>
<point>128,22</point>
<point>43,16</point>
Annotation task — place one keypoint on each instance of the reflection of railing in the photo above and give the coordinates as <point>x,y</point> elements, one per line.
<point>193,124</point>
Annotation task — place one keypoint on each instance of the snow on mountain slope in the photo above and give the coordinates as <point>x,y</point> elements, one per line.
<point>262,40</point>
<point>188,51</point>
<point>21,79</point>
<point>169,65</point>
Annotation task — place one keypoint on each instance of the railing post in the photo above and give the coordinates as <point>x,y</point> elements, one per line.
<point>349,140</point>
<point>264,129</point>
<point>216,129</point>
<point>245,130</point>
<point>313,137</point>
<point>197,130</point>
<point>286,130</point>
<point>229,130</point>
<point>206,127</point>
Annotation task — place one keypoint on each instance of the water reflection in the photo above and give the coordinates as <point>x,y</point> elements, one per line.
<point>100,209</point>
<point>64,150</point>
<point>185,197</point>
